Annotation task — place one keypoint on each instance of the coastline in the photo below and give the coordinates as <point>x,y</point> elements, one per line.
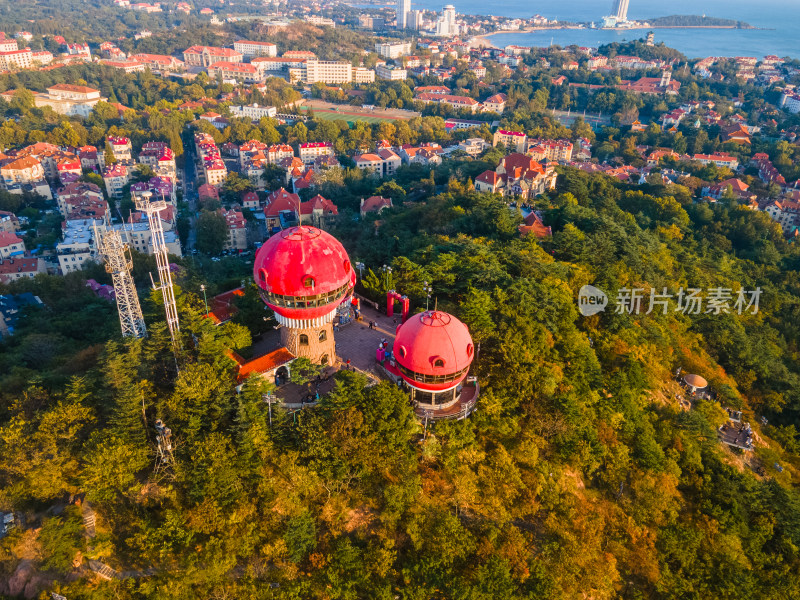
<point>482,41</point>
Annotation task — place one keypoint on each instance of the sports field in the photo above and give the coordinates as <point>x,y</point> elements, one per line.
<point>344,112</point>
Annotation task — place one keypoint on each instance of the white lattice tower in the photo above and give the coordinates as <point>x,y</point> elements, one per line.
<point>118,262</point>
<point>152,209</point>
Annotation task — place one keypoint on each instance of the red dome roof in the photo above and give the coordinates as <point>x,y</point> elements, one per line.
<point>434,350</point>
<point>303,262</point>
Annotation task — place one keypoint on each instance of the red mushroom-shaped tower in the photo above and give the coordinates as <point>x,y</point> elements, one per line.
<point>304,274</point>
<point>433,351</point>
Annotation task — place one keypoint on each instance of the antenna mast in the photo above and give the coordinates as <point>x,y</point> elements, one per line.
<point>117,256</point>
<point>152,209</point>
<point>164,457</point>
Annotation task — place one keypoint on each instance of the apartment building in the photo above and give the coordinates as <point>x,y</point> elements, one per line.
<point>79,245</point>
<point>390,73</point>
<point>115,178</point>
<point>250,48</point>
<point>16,59</point>
<point>7,44</point>
<point>66,99</point>
<point>27,169</point>
<point>126,66</point>
<point>241,72</point>
<point>159,62</point>
<point>384,162</point>
<point>203,56</point>
<point>392,50</point>
<point>120,147</point>
<point>513,140</point>
<point>159,156</point>
<point>363,75</point>
<point>551,150</point>
<point>310,151</point>
<point>237,229</point>
<point>254,111</point>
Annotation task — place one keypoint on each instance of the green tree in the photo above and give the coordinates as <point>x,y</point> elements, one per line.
<point>212,232</point>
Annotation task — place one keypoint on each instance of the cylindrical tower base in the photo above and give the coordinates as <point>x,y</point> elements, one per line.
<point>315,343</point>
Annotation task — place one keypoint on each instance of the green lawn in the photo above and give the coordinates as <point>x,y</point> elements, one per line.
<point>332,115</point>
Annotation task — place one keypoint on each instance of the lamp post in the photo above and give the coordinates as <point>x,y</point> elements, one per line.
<point>205,300</point>
<point>387,273</point>
<point>428,291</point>
<point>360,267</point>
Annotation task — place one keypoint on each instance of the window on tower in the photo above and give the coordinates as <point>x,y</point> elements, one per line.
<point>303,341</point>
<point>323,335</point>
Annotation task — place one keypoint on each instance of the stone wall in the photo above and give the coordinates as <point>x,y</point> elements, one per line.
<point>311,346</point>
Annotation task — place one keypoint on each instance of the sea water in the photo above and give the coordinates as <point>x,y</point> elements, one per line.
<point>777,21</point>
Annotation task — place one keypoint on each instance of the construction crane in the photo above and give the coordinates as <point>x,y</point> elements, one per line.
<point>117,256</point>
<point>152,208</point>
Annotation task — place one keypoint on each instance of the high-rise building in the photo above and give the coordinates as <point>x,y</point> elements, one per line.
<point>620,9</point>
<point>446,25</point>
<point>403,8</point>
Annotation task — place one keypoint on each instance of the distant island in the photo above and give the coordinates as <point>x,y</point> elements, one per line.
<point>697,21</point>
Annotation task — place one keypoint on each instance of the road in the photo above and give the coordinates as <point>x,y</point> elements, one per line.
<point>190,189</point>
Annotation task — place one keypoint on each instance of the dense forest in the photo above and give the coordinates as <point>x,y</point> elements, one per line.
<point>578,475</point>
<point>696,21</point>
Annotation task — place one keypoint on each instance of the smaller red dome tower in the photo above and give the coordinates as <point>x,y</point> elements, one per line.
<point>433,351</point>
<point>304,274</point>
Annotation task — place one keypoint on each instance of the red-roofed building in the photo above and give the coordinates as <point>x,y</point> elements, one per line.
<point>273,366</point>
<point>721,160</point>
<point>250,201</point>
<point>533,225</point>
<point>89,157</point>
<point>203,56</point>
<point>375,204</point>
<point>432,89</point>
<point>318,211</point>
<point>237,229</point>
<point>464,102</point>
<point>308,152</point>
<point>120,147</point>
<point>383,162</point>
<point>512,140</point>
<point>739,189</point>
<point>518,175</point>
<point>496,103</point>
<point>116,178</point>
<point>11,246</point>
<point>246,72</point>
<point>159,62</point>
<point>490,181</point>
<point>278,201</point>
<point>14,269</point>
<point>222,307</point>
<point>207,192</point>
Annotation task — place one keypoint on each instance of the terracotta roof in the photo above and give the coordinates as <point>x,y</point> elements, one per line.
<point>375,203</point>
<point>6,238</point>
<point>489,177</point>
<point>68,87</point>
<point>18,265</point>
<point>533,225</point>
